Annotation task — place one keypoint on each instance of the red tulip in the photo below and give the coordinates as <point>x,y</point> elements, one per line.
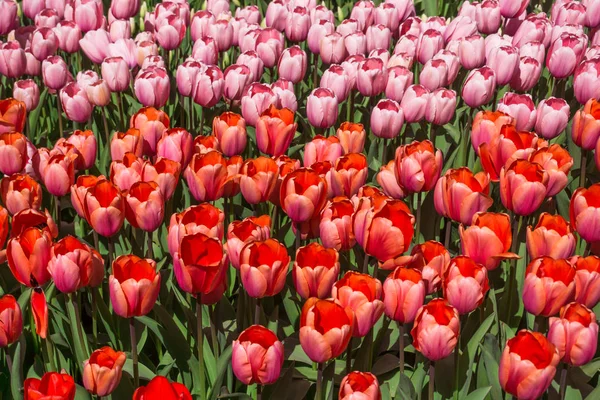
<point>315,270</point>
<point>360,385</point>
<point>160,386</point>
<point>102,371</point>
<point>20,192</point>
<point>74,265</point>
<point>418,166</point>
<point>53,386</point>
<point>134,286</point>
<point>275,130</point>
<point>28,255</point>
<point>523,187</point>
<point>39,311</point>
<point>436,329</point>
<point>202,218</point>
<point>104,208</point>
<point>263,267</point>
<point>403,294</point>
<point>11,320</point>
<point>258,179</point>
<point>575,334</point>
<point>335,225</point>
<point>303,194</point>
<point>240,233</point>
<point>151,124</point>
<point>257,356</point>
<point>552,236</point>
<point>486,126</point>
<point>348,175</point>
<point>549,285</point>
<point>206,176</point>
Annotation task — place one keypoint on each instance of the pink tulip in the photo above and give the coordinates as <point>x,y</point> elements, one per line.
<point>503,60</point>
<point>125,48</point>
<point>256,99</point>
<point>124,173</point>
<point>170,31</point>
<point>479,87</point>
<point>8,16</point>
<point>257,356</point>
<point>430,42</point>
<point>434,74</point>
<point>403,294</point>
<point>28,92</point>
<point>322,108</point>
<point>387,119</point>
<point>134,286</point>
<point>88,14</point>
<point>12,59</point>
<point>465,284</point>
<point>387,14</point>
<point>253,62</point>
<point>520,107</point>
<point>201,21</point>
<point>436,329</point>
<point>549,285</point>
<point>275,130</point>
<point>321,149</point>
<point>512,8</point>
<point>527,74</point>
<point>378,37</point>
<point>152,87</point>
<point>315,270</point>
<point>55,72</point>
<point>552,117</point>
<point>355,43</point>
<point>587,279</point>
<point>276,15</point>
<point>523,187</point>
<point>337,80</point>
<point>317,31</point>
<point>297,24</point>
<point>574,334</point>
<point>75,103</point>
<point>236,78</point>
<point>250,14</point>
<point>116,74</point>
<point>95,45</point>
<point>552,237</point>
<point>124,9</point>
<point>362,12</point>
<point>399,78</point>
<point>292,64</point>
<point>85,146</point>
<point>43,43</point>
<point>487,16</point>
<point>564,54</point>
<point>332,49</point>
<point>47,18</point>
<point>230,130</point>
<point>533,49</point>
<point>269,45</point>
<point>222,32</point>
<point>557,162</point>
<point>414,103</point>
<point>586,78</point>
<point>68,35</point>
<point>441,106</point>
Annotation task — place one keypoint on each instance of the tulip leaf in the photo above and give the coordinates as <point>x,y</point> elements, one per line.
<point>406,389</point>
<point>479,394</point>
<point>490,353</point>
<point>146,373</point>
<point>81,393</point>
<point>16,374</point>
<point>223,363</point>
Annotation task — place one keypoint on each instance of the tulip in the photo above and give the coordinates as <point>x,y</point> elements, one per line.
<point>54,72</point>
<point>322,108</point>
<point>52,385</point>
<point>418,166</point>
<point>552,117</point>
<point>434,74</point>
<point>134,286</point>
<point>552,236</point>
<point>351,136</point>
<point>176,144</point>
<point>332,48</point>
<point>585,81</point>
<point>384,233</point>
<point>378,37</point>
<point>318,30</point>
<point>258,179</point>
<point>479,87</point>
<point>256,100</point>
<point>160,386</point>
<point>236,79</point>
<point>123,174</point>
<point>521,108</point>
<point>69,35</point>
<point>371,77</point>
<point>511,8</point>
<point>441,105</point>
<point>557,163</point>
<point>169,31</point>
<point>275,130</point>
<point>399,78</point>
<point>31,218</point>
<point>88,14</point>
<point>206,176</point>
<point>144,206</point>
<point>165,173</point>
<point>487,125</point>
<point>20,192</point>
<point>203,218</point>
<point>465,284</point>
<point>583,211</point>
<point>387,119</point>
<point>430,42</point>
<point>549,285</point>
<point>574,334</point>
<point>11,320</point>
<point>348,175</point>
<point>564,54</point>
<point>27,92</point>
<point>414,103</point>
<point>102,371</point>
<point>13,152</point>
<point>122,143</point>
<point>74,265</point>
<point>151,124</point>
<point>43,43</point>
<point>587,279</point>
<point>335,225</point>
<point>59,174</point>
<point>115,72</point>
<point>12,59</point>
<point>436,329</point>
<point>8,16</point>
<point>362,294</point>
<point>325,329</point>
<point>337,80</point>
<point>523,187</point>
<point>230,130</point>
<point>360,385</point>
<point>104,208</point>
<point>403,294</point>
<point>205,51</point>
<point>85,146</point>
<point>152,87</point>
<point>471,52</point>
<point>586,125</point>
<point>98,93</point>
<point>257,356</point>
<point>240,233</point>
<point>355,43</point>
<point>315,270</point>
<point>28,254</point>
<point>493,229</point>
<point>263,267</point>
<point>124,9</point>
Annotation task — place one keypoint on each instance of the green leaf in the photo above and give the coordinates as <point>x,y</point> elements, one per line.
<point>222,365</point>
<point>406,390</point>
<point>145,372</point>
<point>479,394</point>
<point>16,374</point>
<point>490,353</point>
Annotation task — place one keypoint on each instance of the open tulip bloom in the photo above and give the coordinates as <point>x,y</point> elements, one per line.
<point>303,199</point>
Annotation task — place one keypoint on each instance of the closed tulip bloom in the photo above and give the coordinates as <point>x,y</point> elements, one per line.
<point>575,334</point>
<point>256,100</point>
<point>493,229</point>
<point>297,24</point>
<point>387,119</point>
<point>79,191</point>
<point>205,50</point>
<point>8,20</point>
<point>348,175</point>
<point>528,365</point>
<point>151,124</point>
<point>399,78</point>
<point>384,233</point>
<point>20,192</point>
<point>206,176</point>
<point>488,17</point>
<point>203,218</point>
<point>43,43</point>
<point>549,285</point>
<point>75,103</point>
<point>12,117</point>
<point>31,218</point>
<point>322,108</point>
<point>303,194</point>
<point>315,270</point>
<point>144,206</point>
<point>586,125</point>
<point>13,59</point>
<point>59,174</point>
<point>414,103</point>
<point>512,8</point>
<point>11,320</point>
<point>27,91</point>
<point>557,163</point>
<point>431,258</point>
<point>161,386</point>
<point>124,9</point>
<point>88,14</point>
<point>316,32</point>
<point>552,237</point>
<point>134,286</point>
<point>200,23</point>
<point>552,117</point>
<point>335,225</point>
<point>200,264</point>
<point>441,105</point>
<point>53,385</point>
<point>378,37</point>
<point>13,152</point>
<point>104,208</point>
<point>263,267</point>
<point>337,80</point>
<point>275,130</point>
<point>102,371</point>
<point>418,166</point>
<point>47,18</point>
<point>116,74</point>
<point>185,76</point>
<point>123,174</point>
<point>523,187</point>
<point>486,126</point>
<point>85,146</point>
<point>471,52</point>
<point>587,280</point>
<point>164,172</point>
<point>169,31</point>
<point>55,72</point>
<point>257,356</point>
<point>360,385</point>
<point>361,293</point>
<point>403,294</point>
<point>28,255</point>
<point>69,35</point>
<point>236,79</point>
<point>436,329</point>
<point>74,265</point>
<point>434,74</point>
<point>352,137</point>
<point>152,87</point>
<point>240,233</point>
<point>258,179</point>
<point>122,143</point>
<point>269,45</point>
<point>521,108</point>
<point>583,210</point>
<point>321,149</point>
<point>585,81</point>
<point>371,77</point>
<point>479,87</point>
<point>176,144</point>
<point>230,130</point>
<point>325,329</point>
<point>465,284</point>
<point>355,43</point>
<point>430,42</point>
<point>564,54</point>
<point>332,48</point>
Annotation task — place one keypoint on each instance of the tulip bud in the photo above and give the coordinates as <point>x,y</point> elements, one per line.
<point>161,385</point>
<point>102,371</point>
<point>387,118</point>
<point>275,130</point>
<point>257,356</point>
<point>322,108</point>
<point>564,54</point>
<point>403,294</point>
<point>134,286</point>
<point>479,87</point>
<point>52,384</point>
<point>418,166</point>
<point>360,385</point>
<point>315,270</point>
<point>436,329</point>
<point>549,285</point>
<point>263,267</point>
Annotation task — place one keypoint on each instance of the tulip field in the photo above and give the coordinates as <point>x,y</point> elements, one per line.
<point>299,199</point>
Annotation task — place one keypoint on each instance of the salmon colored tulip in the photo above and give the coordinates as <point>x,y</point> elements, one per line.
<point>59,174</point>
<point>384,233</point>
<point>202,218</point>
<point>39,311</point>
<point>303,194</point>
<point>20,192</point>
<point>161,387</point>
<point>151,124</point>
<point>200,264</point>
<point>240,233</point>
<point>144,206</point>
<point>575,334</point>
<point>3,232</point>
<point>286,165</point>
<point>165,173</point>
<point>587,280</point>
<point>418,166</point>
<point>584,211</point>
<point>176,144</point>
<point>488,240</point>
<point>361,293</point>
<point>275,130</point>
<point>258,179</point>
<point>388,182</point>
<point>585,130</point>
<point>557,163</point>
<point>11,320</point>
<point>74,265</point>
<point>85,147</point>
<point>134,286</point>
<point>487,125</point>
<point>126,142</point>
<point>230,130</point>
<point>315,270</point>
<point>325,329</point>
<point>53,385</point>
<point>28,255</point>
<point>460,194</point>
<point>436,329</point>
<point>348,175</point>
<point>506,147</point>
<point>102,371</point>
<point>12,115</point>
<point>203,144</point>
<point>31,218</point>
<point>257,356</point>
<point>360,385</point>
<point>206,176</point>
<point>552,236</point>
<point>403,294</point>
<point>123,174</point>
<point>232,183</point>
<point>523,187</point>
<point>13,152</point>
<point>335,225</point>
<point>263,267</point>
<point>549,285</point>
<point>79,191</point>
<point>528,365</point>
<point>465,284</point>
<point>322,148</point>
<point>104,208</point>
<point>352,137</point>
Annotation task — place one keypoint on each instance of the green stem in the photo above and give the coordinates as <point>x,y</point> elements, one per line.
<point>95,316</point>
<point>563,382</point>
<point>431,380</point>
<point>319,394</point>
<point>59,109</point>
<point>365,268</point>
<point>257,312</point>
<point>513,266</point>
<point>121,112</point>
<point>401,346</point>
<point>582,168</point>
<point>199,344</point>
<point>349,357</point>
<point>418,217</point>
<point>105,122</point>
<point>134,353</point>
<point>149,250</point>
<point>201,130</point>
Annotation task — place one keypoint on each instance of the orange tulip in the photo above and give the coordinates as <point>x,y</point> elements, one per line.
<point>130,141</point>
<point>303,194</point>
<point>134,286</point>
<point>465,284</point>
<point>552,236</point>
<point>30,218</point>
<point>348,175</point>
<point>102,371</point>
<point>28,255</point>
<point>79,191</point>
<point>322,148</point>
<point>230,130</point>
<point>151,123</point>
<point>335,224</point>
<point>436,329</point>
<point>549,285</point>
<point>587,280</point>
<point>258,179</point>
<point>165,173</point>
<point>352,137</point>
<point>586,125</point>
<point>20,192</point>
<point>487,125</point>
<point>275,130</point>
<point>286,165</point>
<point>12,115</point>
<point>203,218</point>
<point>240,233</point>
<point>403,294</point>
<point>263,267</point>
<point>315,270</point>
<point>104,208</point>
<point>145,206</point>
<point>203,144</point>
<point>206,176</point>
